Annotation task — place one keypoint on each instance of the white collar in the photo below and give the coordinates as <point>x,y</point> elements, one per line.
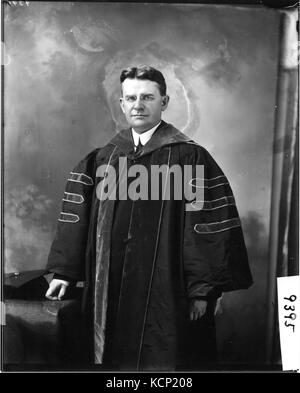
<point>145,136</point>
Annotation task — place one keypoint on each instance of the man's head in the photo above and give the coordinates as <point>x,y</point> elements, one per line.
<point>144,97</point>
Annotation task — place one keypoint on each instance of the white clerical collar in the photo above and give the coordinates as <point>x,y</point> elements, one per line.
<point>145,136</point>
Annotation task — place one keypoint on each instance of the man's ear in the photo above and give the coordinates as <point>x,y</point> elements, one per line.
<point>164,102</point>
<point>122,104</point>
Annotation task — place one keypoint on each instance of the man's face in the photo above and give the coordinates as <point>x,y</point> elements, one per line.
<point>142,103</point>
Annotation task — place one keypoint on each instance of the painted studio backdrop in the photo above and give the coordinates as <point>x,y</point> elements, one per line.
<point>61,89</point>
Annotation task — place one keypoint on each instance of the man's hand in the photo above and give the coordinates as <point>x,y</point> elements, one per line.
<point>197,308</point>
<point>57,289</point>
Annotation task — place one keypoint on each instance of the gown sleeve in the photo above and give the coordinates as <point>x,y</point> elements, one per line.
<point>67,254</point>
<point>215,258</point>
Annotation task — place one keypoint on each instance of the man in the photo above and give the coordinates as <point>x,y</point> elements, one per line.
<point>153,268</point>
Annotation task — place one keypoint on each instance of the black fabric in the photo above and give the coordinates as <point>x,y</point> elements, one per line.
<point>152,359</point>
<point>183,264</point>
<point>17,279</point>
<point>199,345</point>
<point>65,278</point>
<point>68,250</point>
<point>119,243</point>
<point>34,289</point>
<point>43,332</point>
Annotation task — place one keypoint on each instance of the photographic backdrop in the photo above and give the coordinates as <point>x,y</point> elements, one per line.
<point>61,100</point>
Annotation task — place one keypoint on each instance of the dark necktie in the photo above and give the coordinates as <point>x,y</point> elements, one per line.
<point>139,148</point>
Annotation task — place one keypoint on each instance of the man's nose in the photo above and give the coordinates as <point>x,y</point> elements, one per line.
<point>138,104</point>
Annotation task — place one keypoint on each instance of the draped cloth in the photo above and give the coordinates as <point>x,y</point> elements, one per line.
<point>173,252</point>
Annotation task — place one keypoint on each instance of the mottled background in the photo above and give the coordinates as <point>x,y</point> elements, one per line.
<point>61,90</point>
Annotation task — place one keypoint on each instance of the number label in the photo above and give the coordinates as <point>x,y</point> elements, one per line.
<point>292,315</point>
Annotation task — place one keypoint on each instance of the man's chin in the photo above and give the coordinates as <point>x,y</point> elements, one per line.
<point>140,124</point>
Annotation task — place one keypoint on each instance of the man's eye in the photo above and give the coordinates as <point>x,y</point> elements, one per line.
<point>148,98</point>
<point>130,99</point>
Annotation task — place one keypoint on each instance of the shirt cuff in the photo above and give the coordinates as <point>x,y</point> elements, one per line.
<point>68,280</point>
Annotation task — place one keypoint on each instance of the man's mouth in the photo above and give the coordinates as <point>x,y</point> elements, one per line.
<point>139,115</point>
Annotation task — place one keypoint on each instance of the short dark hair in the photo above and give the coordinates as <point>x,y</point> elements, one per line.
<point>145,72</point>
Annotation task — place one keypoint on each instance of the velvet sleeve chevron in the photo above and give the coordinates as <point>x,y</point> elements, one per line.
<point>214,252</point>
<point>67,253</point>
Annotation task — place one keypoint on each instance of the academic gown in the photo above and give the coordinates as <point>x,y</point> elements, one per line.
<point>143,260</point>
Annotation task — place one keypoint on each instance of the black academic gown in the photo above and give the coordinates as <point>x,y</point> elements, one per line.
<point>143,260</point>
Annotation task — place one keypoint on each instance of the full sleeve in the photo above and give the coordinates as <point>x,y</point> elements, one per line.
<point>67,253</point>
<point>214,253</point>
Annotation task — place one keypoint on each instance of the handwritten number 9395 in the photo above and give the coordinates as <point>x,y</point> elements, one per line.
<point>292,315</point>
